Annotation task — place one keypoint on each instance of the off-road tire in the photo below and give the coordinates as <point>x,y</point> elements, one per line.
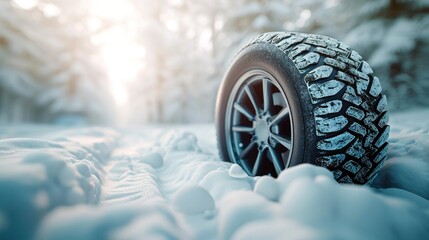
<point>338,117</point>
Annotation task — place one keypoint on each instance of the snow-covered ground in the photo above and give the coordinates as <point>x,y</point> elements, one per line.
<point>168,183</point>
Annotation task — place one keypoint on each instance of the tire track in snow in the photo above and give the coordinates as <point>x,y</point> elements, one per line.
<point>128,179</point>
<point>132,176</point>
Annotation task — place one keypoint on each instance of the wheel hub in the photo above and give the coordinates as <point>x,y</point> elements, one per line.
<point>262,131</point>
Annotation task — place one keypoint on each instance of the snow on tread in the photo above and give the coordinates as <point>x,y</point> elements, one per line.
<point>328,125</point>
<point>352,166</point>
<point>333,106</point>
<point>319,73</point>
<point>375,89</point>
<point>365,68</point>
<point>356,150</point>
<point>334,63</point>
<point>345,77</point>
<point>382,104</point>
<point>351,96</point>
<point>301,48</point>
<point>326,89</point>
<point>358,128</point>
<point>307,60</point>
<point>331,161</point>
<point>355,112</point>
<point>337,142</point>
<point>348,106</point>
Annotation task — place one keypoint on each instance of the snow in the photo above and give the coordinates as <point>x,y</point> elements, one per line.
<point>193,200</point>
<point>167,182</point>
<point>236,171</point>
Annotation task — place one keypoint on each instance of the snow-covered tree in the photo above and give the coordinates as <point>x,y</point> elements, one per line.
<point>48,59</point>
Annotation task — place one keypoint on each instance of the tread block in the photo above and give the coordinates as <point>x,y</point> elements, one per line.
<point>316,42</point>
<point>358,73</point>
<point>319,73</point>
<point>337,173</point>
<point>351,96</point>
<point>334,63</point>
<point>367,165</point>
<point>347,61</point>
<point>382,104</point>
<point>357,128</point>
<point>375,89</point>
<point>345,77</point>
<point>383,120</point>
<point>352,166</point>
<point>355,112</point>
<point>332,161</point>
<point>333,106</point>
<point>326,89</point>
<point>383,137</point>
<point>355,56</point>
<point>381,153</point>
<point>369,138</point>
<point>356,150</point>
<point>306,60</point>
<point>280,37</point>
<point>344,46</point>
<point>340,52</point>
<point>286,43</point>
<point>362,85</point>
<point>345,179</point>
<point>329,125</point>
<point>324,51</point>
<point>365,68</point>
<point>335,143</point>
<point>301,48</point>
<point>330,42</point>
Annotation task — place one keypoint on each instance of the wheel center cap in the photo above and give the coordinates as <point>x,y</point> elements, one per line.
<point>262,131</point>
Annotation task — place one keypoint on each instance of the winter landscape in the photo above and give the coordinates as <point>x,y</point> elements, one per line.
<point>107,122</point>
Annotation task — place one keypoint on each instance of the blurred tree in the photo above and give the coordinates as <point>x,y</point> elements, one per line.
<point>47,54</point>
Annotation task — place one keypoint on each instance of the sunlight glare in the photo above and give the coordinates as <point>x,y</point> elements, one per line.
<point>120,50</point>
<point>26,4</point>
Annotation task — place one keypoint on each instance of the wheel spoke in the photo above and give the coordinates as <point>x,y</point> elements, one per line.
<point>283,113</point>
<point>266,94</point>
<point>277,161</point>
<point>252,98</point>
<point>247,149</point>
<point>286,143</point>
<point>243,111</point>
<point>243,129</point>
<point>257,162</point>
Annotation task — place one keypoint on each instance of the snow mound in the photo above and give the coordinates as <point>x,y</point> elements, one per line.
<point>219,183</point>
<point>193,200</point>
<point>268,187</point>
<point>38,175</point>
<point>314,201</point>
<point>182,141</point>
<point>154,159</point>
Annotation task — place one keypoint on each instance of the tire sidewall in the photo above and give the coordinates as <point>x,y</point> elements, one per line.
<point>268,57</point>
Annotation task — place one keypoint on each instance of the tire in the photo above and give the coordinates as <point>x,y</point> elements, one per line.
<point>292,98</point>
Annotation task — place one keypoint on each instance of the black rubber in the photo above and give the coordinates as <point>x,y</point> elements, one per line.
<point>337,108</point>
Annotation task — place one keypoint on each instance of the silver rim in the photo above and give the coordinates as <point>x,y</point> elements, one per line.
<point>258,127</point>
